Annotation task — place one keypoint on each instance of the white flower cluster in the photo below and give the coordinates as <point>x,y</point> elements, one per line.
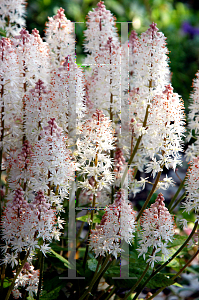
<point>157,229</point>
<point>20,168</point>
<point>151,72</point>
<point>33,58</point>
<point>117,224</point>
<point>39,107</point>
<point>163,137</point>
<point>105,71</point>
<point>100,26</point>
<point>52,163</point>
<point>95,142</point>
<point>68,95</point>
<point>10,101</point>
<point>193,117</point>
<point>27,278</point>
<point>192,187</point>
<point>60,38</point>
<point>12,14</point>
<point>156,112</point>
<point>24,223</point>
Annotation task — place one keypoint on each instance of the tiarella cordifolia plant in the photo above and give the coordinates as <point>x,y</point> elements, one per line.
<point>80,136</point>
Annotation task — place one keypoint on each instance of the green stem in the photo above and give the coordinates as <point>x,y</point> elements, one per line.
<point>86,252</point>
<point>79,232</point>
<point>175,276</point>
<point>103,292</point>
<point>135,149</point>
<point>176,194</point>
<point>138,282</point>
<point>168,261</point>
<point>177,202</point>
<point>96,277</point>
<point>110,294</point>
<point>90,228</point>
<point>40,276</point>
<point>17,273</point>
<point>150,195</point>
<point>2,270</point>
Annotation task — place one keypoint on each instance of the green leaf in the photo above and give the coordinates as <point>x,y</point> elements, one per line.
<point>54,294</point>
<point>62,259</point>
<point>57,247</point>
<point>30,298</point>
<point>192,270</point>
<point>177,241</point>
<point>92,264</point>
<point>177,284</point>
<point>2,32</point>
<point>6,283</point>
<point>135,271</point>
<point>96,219</point>
<point>159,280</point>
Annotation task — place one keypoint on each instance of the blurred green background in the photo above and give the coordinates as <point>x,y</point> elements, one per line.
<point>178,20</point>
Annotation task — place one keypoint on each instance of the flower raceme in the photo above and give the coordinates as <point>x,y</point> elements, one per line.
<point>29,279</point>
<point>100,26</point>
<point>53,164</point>
<point>24,223</point>
<point>192,187</point>
<point>117,224</point>
<point>193,149</point>
<point>157,229</point>
<point>60,38</point>
<point>93,147</point>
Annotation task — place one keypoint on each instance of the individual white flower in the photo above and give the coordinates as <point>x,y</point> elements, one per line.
<point>16,294</point>
<point>153,258</point>
<point>165,183</point>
